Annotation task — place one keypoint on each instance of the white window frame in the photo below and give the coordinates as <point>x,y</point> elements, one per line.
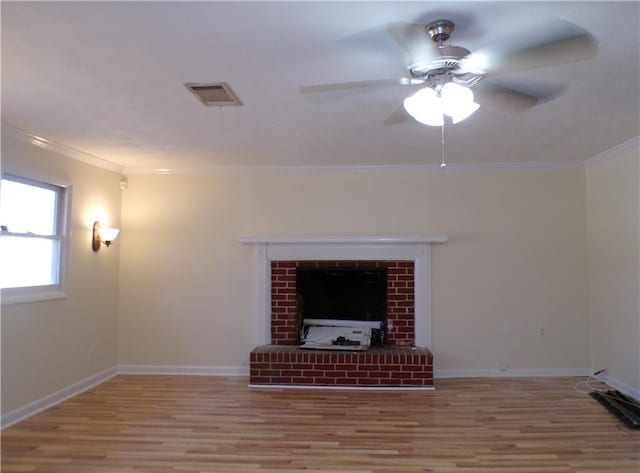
<point>19,295</point>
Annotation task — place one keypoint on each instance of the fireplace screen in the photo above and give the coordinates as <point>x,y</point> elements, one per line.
<point>342,294</point>
<point>341,309</point>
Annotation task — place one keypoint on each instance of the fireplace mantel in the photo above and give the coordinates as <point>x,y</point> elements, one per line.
<point>300,248</point>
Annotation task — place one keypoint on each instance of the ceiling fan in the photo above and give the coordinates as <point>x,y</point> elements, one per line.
<point>445,73</point>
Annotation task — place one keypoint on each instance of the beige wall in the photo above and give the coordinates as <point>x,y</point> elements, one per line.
<point>47,346</point>
<point>613,201</point>
<point>517,252</point>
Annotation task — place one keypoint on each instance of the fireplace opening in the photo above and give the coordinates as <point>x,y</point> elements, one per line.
<point>342,308</point>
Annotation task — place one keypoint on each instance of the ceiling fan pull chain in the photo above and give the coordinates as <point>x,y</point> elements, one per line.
<point>442,163</point>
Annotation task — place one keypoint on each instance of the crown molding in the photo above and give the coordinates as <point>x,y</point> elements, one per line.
<point>68,151</point>
<point>73,153</point>
<point>618,150</point>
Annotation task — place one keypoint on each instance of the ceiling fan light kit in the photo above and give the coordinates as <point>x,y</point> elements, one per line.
<point>428,106</point>
<point>447,72</point>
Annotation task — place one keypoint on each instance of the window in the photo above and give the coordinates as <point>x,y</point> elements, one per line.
<point>32,240</point>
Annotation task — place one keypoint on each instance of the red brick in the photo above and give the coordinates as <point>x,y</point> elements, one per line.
<point>378,374</point>
<point>291,373</point>
<point>368,381</point>
<point>259,380</point>
<point>302,380</point>
<point>312,373</point>
<point>413,382</point>
<point>281,379</point>
<point>347,381</point>
<point>324,380</point>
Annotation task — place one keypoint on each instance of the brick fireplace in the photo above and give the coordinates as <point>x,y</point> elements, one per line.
<point>405,360</point>
<point>400,320</point>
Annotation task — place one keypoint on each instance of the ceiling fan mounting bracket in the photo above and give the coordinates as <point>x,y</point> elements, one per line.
<point>440,30</point>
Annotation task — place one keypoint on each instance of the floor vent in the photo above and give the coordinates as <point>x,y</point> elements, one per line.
<point>219,94</point>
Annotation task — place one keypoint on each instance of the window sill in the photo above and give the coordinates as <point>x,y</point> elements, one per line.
<point>22,295</point>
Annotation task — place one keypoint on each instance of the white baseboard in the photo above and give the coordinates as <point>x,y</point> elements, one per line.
<point>74,389</point>
<point>512,373</point>
<point>63,394</point>
<point>623,388</point>
<point>202,370</point>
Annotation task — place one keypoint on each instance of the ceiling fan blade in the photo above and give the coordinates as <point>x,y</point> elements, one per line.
<point>553,43</point>
<point>323,93</point>
<point>512,100</point>
<point>357,84</point>
<point>414,40</point>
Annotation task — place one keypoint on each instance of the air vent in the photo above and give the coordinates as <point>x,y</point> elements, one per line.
<point>214,94</point>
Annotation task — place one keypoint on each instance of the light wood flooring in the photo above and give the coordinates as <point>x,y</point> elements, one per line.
<point>192,424</point>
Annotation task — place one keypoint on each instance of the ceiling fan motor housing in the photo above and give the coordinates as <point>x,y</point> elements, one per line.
<point>440,30</point>
<point>446,66</point>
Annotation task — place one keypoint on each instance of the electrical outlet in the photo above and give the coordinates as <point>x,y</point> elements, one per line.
<point>503,367</point>
<point>542,332</point>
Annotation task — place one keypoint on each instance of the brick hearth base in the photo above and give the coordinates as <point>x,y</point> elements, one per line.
<point>404,367</point>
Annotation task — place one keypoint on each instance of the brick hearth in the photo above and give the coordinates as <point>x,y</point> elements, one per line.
<point>380,367</point>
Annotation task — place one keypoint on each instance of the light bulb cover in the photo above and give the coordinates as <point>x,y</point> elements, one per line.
<point>454,100</point>
<point>458,101</point>
<point>108,235</point>
<point>102,235</point>
<point>464,111</point>
<point>425,106</point>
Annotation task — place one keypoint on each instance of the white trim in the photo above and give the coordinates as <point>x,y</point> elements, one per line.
<point>68,151</point>
<point>262,305</point>
<point>57,397</point>
<point>194,370</point>
<point>343,388</point>
<point>422,298</point>
<point>416,249</point>
<point>88,158</point>
<point>344,239</point>
<point>512,373</point>
<point>21,295</point>
<point>39,405</point>
<point>623,388</point>
<point>380,169</point>
<point>614,152</point>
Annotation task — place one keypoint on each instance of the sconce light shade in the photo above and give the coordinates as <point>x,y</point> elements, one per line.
<point>102,235</point>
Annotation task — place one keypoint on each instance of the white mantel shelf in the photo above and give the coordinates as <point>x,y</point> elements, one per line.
<point>345,239</point>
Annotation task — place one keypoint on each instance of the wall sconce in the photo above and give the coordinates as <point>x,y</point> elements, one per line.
<point>102,235</point>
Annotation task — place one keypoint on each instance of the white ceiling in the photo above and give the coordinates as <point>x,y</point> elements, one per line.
<point>106,78</point>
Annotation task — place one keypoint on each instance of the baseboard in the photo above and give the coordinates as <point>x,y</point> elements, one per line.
<point>512,373</point>
<point>74,389</point>
<point>202,370</point>
<point>623,388</point>
<point>63,394</point>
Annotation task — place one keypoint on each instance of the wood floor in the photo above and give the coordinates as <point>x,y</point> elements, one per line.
<point>213,424</point>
